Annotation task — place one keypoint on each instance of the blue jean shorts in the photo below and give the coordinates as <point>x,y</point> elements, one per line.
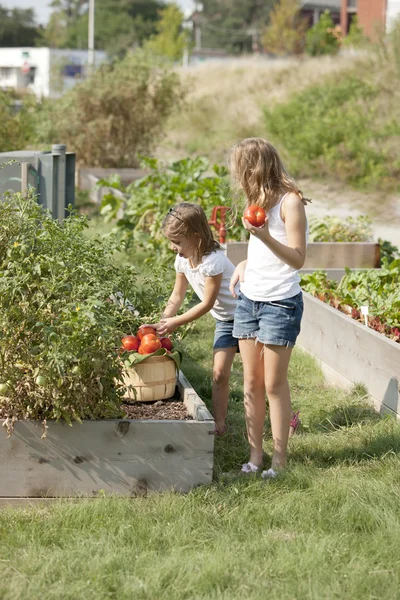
<point>223,337</point>
<point>276,322</point>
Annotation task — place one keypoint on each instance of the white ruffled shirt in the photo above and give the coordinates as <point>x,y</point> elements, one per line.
<point>212,264</point>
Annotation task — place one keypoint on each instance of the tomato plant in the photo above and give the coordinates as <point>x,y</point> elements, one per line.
<point>255,215</point>
<point>63,312</point>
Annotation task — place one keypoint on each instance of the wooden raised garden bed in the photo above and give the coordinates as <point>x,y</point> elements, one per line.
<point>118,456</point>
<point>350,352</point>
<point>324,255</point>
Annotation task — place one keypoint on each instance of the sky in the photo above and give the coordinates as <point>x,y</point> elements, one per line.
<point>42,9</point>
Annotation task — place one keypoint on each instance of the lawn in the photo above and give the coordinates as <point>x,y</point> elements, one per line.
<point>328,528</point>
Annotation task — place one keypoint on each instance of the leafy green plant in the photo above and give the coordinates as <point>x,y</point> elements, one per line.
<point>336,128</point>
<point>377,288</point>
<point>63,313</point>
<point>323,38</point>
<point>148,200</point>
<point>335,229</point>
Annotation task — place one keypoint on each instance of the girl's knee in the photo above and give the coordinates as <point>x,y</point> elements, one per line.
<point>276,387</point>
<point>220,376</point>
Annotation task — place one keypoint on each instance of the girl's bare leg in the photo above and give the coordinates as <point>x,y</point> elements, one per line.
<point>276,362</point>
<point>254,396</point>
<point>223,359</point>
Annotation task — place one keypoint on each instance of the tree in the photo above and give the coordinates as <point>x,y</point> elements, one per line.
<point>234,24</point>
<point>323,38</point>
<point>286,31</point>
<point>120,24</point>
<point>18,27</point>
<point>170,40</point>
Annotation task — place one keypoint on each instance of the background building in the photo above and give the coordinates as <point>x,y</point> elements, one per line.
<point>374,16</point>
<point>47,72</point>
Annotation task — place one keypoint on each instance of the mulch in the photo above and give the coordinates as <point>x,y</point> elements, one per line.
<point>170,409</point>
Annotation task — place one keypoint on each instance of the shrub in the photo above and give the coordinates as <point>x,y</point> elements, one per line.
<point>61,317</point>
<point>286,31</point>
<point>323,38</point>
<point>16,126</point>
<point>336,128</point>
<point>117,113</point>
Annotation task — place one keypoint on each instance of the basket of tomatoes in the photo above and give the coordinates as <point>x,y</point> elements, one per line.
<point>151,366</point>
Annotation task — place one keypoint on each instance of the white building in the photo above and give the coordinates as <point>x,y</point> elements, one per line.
<point>47,72</point>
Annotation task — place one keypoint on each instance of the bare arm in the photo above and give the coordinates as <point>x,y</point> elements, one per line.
<point>211,290</point>
<point>294,216</point>
<point>238,275</point>
<point>177,297</point>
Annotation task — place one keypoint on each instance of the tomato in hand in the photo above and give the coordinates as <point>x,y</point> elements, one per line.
<point>130,342</point>
<point>150,343</point>
<point>166,343</point>
<point>144,331</point>
<point>255,215</point>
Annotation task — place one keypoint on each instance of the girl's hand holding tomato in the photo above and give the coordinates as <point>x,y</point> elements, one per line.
<point>255,214</point>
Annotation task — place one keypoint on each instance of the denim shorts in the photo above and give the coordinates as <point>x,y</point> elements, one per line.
<point>276,322</point>
<point>223,337</point>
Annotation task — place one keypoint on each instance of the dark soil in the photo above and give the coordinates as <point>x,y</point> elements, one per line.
<point>163,409</point>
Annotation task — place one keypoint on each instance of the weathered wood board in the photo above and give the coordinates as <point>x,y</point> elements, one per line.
<point>324,255</point>
<point>350,352</point>
<point>119,456</point>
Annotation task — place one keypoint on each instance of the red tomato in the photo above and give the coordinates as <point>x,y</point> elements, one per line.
<point>150,343</point>
<point>166,343</point>
<point>130,342</point>
<point>255,215</point>
<point>141,350</point>
<point>144,331</point>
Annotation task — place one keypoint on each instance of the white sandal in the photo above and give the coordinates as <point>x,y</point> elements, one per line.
<point>249,468</point>
<point>269,474</point>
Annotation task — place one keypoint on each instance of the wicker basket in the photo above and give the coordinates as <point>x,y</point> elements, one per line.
<point>152,379</point>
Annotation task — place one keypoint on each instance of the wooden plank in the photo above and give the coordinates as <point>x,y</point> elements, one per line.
<point>323,255</point>
<point>194,404</point>
<point>113,456</point>
<point>357,353</point>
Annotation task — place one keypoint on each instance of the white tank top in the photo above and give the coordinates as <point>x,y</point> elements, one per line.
<point>267,277</point>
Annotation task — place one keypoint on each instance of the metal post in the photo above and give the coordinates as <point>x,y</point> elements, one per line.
<point>58,152</point>
<point>91,38</point>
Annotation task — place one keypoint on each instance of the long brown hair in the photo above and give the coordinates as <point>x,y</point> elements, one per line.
<point>190,221</point>
<point>258,170</point>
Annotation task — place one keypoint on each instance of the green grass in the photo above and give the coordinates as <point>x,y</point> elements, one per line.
<point>329,528</point>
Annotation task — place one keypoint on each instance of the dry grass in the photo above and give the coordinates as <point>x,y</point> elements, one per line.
<point>225,100</point>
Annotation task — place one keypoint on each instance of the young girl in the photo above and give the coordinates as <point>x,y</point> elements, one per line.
<point>270,304</point>
<point>201,262</point>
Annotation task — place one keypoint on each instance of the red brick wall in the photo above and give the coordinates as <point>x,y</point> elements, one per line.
<point>371,16</point>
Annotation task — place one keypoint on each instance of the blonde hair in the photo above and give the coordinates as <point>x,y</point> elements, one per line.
<point>190,221</point>
<point>258,170</point>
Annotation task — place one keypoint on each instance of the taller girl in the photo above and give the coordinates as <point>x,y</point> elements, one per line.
<point>270,304</point>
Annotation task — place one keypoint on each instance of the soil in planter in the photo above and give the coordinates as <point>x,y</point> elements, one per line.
<point>162,409</point>
<point>170,409</point>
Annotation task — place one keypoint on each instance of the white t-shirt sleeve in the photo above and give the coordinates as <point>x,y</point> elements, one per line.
<point>179,267</point>
<point>213,264</point>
